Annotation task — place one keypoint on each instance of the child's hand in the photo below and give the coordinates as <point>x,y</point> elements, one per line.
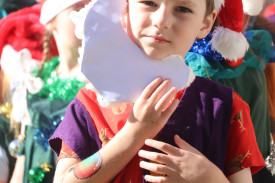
<point>152,109</point>
<point>184,164</point>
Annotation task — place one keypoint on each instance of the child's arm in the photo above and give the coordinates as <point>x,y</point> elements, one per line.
<point>18,172</point>
<point>149,115</point>
<point>184,164</point>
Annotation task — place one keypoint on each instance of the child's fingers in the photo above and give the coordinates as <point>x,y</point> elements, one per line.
<point>170,109</point>
<point>160,91</point>
<point>184,145</point>
<point>164,147</point>
<point>150,178</point>
<point>155,157</point>
<point>147,92</point>
<point>165,99</point>
<point>156,168</point>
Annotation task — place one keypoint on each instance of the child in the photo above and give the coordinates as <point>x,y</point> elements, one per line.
<point>18,45</point>
<point>201,140</point>
<point>62,80</point>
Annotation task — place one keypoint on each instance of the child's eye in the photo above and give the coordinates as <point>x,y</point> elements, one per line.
<point>149,3</point>
<point>183,9</point>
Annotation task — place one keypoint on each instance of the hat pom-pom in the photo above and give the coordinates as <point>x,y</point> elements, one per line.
<point>230,44</point>
<point>252,7</point>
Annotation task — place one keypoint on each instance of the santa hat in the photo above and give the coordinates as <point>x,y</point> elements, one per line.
<point>51,8</point>
<point>252,7</point>
<point>228,39</point>
<point>22,30</point>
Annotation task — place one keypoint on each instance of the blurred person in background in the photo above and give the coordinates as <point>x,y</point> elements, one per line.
<point>51,85</point>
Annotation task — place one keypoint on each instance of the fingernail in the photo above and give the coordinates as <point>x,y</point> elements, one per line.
<point>141,163</point>
<point>147,141</point>
<point>141,152</point>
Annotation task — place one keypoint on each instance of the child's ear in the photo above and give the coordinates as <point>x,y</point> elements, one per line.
<point>49,26</point>
<point>207,24</point>
<point>124,18</point>
<point>125,22</point>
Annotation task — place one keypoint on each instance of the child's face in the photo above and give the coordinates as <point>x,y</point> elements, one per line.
<point>65,28</point>
<point>166,27</point>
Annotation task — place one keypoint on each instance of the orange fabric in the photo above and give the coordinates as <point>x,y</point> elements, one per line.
<point>270,82</point>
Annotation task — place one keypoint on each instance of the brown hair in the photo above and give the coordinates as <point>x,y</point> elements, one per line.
<point>5,101</point>
<point>1,87</point>
<point>46,48</point>
<point>4,88</point>
<point>209,6</point>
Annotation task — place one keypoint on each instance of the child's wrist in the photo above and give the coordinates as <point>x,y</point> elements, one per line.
<point>135,131</point>
<point>214,174</point>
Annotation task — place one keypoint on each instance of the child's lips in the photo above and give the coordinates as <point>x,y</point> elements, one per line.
<point>158,39</point>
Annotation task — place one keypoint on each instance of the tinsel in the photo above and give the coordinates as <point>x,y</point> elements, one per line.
<point>5,109</point>
<point>37,174</point>
<point>42,134</point>
<point>203,47</point>
<point>270,160</point>
<point>55,87</point>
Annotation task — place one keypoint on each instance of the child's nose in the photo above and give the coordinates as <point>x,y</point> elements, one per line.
<point>161,18</point>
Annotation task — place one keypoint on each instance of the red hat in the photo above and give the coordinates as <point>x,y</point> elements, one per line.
<point>22,29</point>
<point>228,39</point>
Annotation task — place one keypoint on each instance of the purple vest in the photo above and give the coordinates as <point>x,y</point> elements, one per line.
<point>202,118</point>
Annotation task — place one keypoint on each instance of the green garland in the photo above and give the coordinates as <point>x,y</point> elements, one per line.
<point>55,87</point>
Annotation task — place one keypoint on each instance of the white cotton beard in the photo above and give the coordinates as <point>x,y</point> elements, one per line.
<point>116,67</point>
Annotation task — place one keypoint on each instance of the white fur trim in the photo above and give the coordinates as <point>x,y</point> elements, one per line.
<point>252,7</point>
<point>230,44</point>
<point>51,8</point>
<point>218,4</point>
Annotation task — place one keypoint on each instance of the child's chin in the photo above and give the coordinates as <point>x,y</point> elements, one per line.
<point>155,56</point>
